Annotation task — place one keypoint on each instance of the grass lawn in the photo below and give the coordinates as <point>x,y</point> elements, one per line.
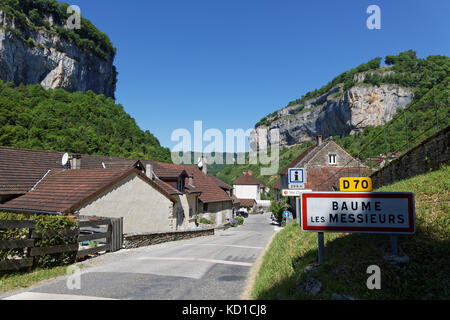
<point>347,256</point>
<point>25,279</point>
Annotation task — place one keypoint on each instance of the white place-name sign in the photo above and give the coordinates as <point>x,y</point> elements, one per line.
<point>361,212</point>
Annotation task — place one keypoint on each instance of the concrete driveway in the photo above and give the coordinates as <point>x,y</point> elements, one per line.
<point>215,267</point>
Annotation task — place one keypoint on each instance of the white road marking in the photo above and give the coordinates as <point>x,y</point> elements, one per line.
<point>236,263</point>
<point>51,296</point>
<point>222,245</point>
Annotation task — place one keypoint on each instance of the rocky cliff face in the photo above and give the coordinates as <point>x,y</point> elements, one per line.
<point>339,113</point>
<point>47,59</point>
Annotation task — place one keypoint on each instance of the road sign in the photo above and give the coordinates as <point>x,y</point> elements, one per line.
<point>297,175</point>
<point>355,184</point>
<point>364,212</point>
<point>291,193</point>
<point>286,214</point>
<point>297,186</point>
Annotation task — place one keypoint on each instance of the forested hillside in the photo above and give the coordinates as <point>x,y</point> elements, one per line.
<point>34,118</point>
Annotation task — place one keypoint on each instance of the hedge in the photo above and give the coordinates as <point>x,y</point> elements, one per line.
<point>44,224</point>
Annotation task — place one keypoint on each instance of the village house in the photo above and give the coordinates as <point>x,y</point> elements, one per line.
<point>151,196</point>
<point>213,201</point>
<point>248,190</point>
<point>325,163</point>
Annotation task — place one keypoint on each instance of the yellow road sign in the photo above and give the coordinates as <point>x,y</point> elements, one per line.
<point>355,184</point>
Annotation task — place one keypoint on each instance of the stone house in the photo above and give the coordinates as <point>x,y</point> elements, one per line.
<point>190,190</point>
<point>145,205</point>
<point>325,163</point>
<point>248,190</point>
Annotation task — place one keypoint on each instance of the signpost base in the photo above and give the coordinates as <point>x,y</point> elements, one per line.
<point>321,242</point>
<point>394,245</point>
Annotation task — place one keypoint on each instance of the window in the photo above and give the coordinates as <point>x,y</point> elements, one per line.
<point>205,207</point>
<point>332,159</point>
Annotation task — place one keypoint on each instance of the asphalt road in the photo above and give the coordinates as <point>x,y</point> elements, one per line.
<point>214,267</point>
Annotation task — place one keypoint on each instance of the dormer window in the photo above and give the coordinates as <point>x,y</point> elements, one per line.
<point>332,159</point>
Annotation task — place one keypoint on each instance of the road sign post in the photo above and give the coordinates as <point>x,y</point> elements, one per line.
<point>321,247</point>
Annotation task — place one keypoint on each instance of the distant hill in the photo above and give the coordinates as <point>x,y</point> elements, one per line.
<point>87,123</point>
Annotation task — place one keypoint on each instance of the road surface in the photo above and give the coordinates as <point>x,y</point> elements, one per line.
<point>214,268</point>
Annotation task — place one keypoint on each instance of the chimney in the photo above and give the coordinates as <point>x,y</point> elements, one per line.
<point>245,173</point>
<point>319,141</point>
<point>191,180</point>
<point>250,173</point>
<point>149,171</point>
<point>205,165</point>
<point>75,162</point>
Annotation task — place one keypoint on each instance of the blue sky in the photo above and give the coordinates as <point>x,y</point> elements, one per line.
<point>230,63</point>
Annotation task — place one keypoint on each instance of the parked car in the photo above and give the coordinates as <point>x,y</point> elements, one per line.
<point>242,214</point>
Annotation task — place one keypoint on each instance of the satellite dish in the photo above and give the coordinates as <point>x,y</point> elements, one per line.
<point>65,159</point>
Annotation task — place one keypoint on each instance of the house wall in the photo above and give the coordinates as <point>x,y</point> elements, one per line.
<point>321,158</point>
<point>247,192</point>
<point>186,208</point>
<point>143,208</point>
<point>216,210</point>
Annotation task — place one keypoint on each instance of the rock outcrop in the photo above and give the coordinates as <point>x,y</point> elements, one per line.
<point>339,112</point>
<point>47,59</point>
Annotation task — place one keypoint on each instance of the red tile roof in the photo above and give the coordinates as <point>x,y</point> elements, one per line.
<point>277,185</point>
<point>294,162</point>
<point>247,202</point>
<point>220,183</point>
<point>248,179</point>
<point>21,169</point>
<point>63,191</point>
<point>325,178</point>
<point>210,192</point>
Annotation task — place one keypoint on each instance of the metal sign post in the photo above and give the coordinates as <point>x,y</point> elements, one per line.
<point>321,246</point>
<point>297,209</point>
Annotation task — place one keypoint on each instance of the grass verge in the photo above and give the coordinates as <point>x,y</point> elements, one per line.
<point>25,279</point>
<point>347,256</point>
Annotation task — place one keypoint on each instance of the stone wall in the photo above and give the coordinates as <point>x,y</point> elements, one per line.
<point>147,239</point>
<point>429,155</point>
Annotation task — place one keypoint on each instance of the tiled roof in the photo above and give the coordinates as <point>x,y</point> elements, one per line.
<point>277,185</point>
<point>220,183</point>
<point>63,191</point>
<point>163,171</point>
<point>247,202</point>
<point>210,192</point>
<point>21,169</point>
<point>235,199</point>
<point>325,178</point>
<point>248,179</point>
<point>293,164</point>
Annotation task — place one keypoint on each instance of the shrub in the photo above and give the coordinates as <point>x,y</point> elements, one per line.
<point>277,208</point>
<point>51,229</point>
<point>240,220</point>
<point>12,234</point>
<point>206,221</point>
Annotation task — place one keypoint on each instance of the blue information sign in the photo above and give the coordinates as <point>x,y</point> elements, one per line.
<point>297,175</point>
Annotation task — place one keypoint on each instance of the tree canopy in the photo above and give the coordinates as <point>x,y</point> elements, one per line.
<point>35,118</point>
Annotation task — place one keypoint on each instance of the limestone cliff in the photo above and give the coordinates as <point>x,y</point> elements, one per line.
<point>38,56</point>
<point>339,112</point>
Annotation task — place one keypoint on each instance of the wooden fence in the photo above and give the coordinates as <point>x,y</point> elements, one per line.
<point>112,234</point>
